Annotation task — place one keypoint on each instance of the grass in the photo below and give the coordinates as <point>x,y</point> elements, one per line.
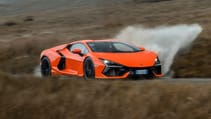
<point>33,98</point>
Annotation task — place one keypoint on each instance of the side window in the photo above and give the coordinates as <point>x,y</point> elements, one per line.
<point>83,49</point>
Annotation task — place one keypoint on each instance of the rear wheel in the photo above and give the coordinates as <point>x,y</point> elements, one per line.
<point>89,72</point>
<point>45,67</point>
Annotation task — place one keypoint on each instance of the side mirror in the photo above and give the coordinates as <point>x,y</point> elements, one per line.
<point>76,51</point>
<point>142,48</point>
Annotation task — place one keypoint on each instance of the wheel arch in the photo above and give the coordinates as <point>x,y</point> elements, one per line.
<point>43,57</point>
<point>52,56</point>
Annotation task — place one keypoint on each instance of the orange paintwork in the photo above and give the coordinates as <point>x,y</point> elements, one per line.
<point>74,62</point>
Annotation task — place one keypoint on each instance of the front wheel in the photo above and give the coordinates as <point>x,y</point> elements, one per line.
<point>89,72</point>
<point>45,67</point>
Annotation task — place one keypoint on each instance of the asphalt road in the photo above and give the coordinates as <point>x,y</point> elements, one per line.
<point>165,80</point>
<point>186,80</point>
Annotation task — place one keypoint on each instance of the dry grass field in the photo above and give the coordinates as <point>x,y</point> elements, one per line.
<point>28,98</point>
<point>23,36</point>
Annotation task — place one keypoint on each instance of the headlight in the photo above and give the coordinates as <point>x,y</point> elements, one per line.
<point>109,63</point>
<point>157,61</point>
<point>112,68</point>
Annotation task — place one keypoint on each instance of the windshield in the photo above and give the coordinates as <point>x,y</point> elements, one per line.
<point>112,47</point>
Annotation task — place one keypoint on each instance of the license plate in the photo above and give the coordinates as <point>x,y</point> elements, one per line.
<point>144,71</point>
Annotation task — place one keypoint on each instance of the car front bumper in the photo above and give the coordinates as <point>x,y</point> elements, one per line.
<point>129,72</point>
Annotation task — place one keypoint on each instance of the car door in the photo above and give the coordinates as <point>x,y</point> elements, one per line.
<point>75,61</point>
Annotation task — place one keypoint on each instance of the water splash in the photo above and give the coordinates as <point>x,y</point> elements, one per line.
<point>164,40</point>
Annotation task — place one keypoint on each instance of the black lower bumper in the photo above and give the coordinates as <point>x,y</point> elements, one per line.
<point>145,72</point>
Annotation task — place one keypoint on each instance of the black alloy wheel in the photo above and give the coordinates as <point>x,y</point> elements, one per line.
<point>89,72</point>
<point>45,67</point>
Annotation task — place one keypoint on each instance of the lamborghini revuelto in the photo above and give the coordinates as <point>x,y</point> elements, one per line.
<point>100,59</point>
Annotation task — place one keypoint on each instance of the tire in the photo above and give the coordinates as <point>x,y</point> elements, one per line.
<point>89,72</point>
<point>150,77</point>
<point>45,67</point>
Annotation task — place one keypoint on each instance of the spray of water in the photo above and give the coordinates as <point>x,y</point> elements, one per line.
<point>164,40</point>
<point>37,71</point>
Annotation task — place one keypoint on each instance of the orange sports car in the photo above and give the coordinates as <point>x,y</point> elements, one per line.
<point>101,59</point>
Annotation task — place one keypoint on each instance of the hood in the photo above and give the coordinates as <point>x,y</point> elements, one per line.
<point>136,59</point>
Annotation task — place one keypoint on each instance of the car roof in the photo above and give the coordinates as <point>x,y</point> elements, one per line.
<point>85,41</point>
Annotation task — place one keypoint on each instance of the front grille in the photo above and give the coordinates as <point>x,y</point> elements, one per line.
<point>120,71</point>
<point>114,71</point>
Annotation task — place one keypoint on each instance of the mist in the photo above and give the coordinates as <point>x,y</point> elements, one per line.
<point>167,41</point>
